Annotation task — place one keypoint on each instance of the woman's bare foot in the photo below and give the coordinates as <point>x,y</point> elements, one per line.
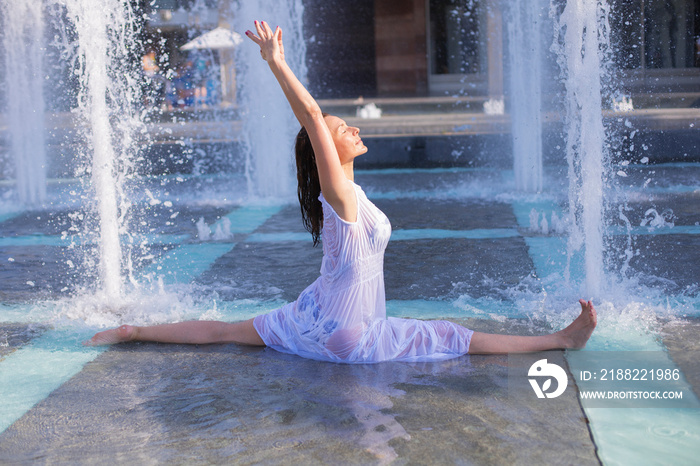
<point>579,331</point>
<point>109,337</point>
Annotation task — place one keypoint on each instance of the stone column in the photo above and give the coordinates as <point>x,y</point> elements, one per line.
<point>400,38</point>
<point>494,33</point>
<point>226,57</point>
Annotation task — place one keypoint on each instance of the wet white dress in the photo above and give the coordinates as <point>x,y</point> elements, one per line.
<point>341,317</point>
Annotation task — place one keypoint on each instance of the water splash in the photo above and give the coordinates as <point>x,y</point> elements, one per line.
<point>581,41</point>
<point>524,29</point>
<point>269,126</point>
<point>108,93</point>
<point>23,29</point>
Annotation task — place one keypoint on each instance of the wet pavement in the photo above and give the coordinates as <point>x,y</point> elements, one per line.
<point>151,403</point>
<point>222,404</point>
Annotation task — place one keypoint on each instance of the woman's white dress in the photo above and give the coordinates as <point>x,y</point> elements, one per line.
<point>341,317</point>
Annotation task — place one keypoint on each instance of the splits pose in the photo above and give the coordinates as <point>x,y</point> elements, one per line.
<point>341,317</point>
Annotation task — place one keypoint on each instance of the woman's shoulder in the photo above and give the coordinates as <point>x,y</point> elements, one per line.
<point>330,210</point>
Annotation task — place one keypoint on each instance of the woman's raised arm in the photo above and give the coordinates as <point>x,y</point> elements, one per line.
<point>334,184</point>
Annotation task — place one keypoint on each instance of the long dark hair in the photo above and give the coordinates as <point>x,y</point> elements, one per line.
<point>309,185</point>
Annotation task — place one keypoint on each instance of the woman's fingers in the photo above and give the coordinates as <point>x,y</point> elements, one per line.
<point>263,31</point>
<point>257,38</point>
<point>251,35</point>
<point>266,28</point>
<point>259,29</point>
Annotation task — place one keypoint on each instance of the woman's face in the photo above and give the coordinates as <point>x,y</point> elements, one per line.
<point>347,139</point>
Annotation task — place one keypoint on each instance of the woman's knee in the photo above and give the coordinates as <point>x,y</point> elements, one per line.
<point>342,342</point>
<point>243,333</point>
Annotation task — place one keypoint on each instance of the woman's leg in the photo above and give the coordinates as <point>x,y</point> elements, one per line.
<point>574,336</point>
<point>193,332</point>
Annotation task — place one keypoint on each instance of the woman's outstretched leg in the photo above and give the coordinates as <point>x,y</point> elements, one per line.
<point>193,332</point>
<point>574,336</point>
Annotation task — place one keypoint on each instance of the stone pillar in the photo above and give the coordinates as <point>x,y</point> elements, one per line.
<point>400,38</point>
<point>494,33</point>
<point>226,57</point>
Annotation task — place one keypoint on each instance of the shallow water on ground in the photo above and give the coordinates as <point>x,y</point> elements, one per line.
<point>463,248</point>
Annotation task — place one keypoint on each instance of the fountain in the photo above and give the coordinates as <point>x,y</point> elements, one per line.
<point>111,147</point>
<point>23,25</point>
<point>525,39</point>
<point>583,35</point>
<point>100,43</point>
<point>580,43</point>
<point>109,93</point>
<point>269,162</point>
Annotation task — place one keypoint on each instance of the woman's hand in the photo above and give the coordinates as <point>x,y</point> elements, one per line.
<point>270,42</point>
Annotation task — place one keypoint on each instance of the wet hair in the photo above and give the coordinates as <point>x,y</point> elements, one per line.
<point>308,185</point>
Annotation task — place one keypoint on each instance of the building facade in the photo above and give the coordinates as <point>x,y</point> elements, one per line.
<point>439,47</point>
<point>417,48</point>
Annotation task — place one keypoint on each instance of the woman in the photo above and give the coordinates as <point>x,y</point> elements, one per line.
<point>341,317</point>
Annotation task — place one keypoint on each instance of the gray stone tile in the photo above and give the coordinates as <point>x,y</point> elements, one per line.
<point>150,403</point>
<point>286,220</point>
<point>447,214</point>
<point>274,270</point>
<point>439,268</point>
<point>668,262</point>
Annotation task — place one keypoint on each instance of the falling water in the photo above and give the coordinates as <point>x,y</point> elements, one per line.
<point>97,40</point>
<point>268,123</point>
<point>525,61</point>
<point>581,40</point>
<point>23,29</point>
<point>107,94</point>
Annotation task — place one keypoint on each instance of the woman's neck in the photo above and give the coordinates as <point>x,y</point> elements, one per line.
<point>349,172</point>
